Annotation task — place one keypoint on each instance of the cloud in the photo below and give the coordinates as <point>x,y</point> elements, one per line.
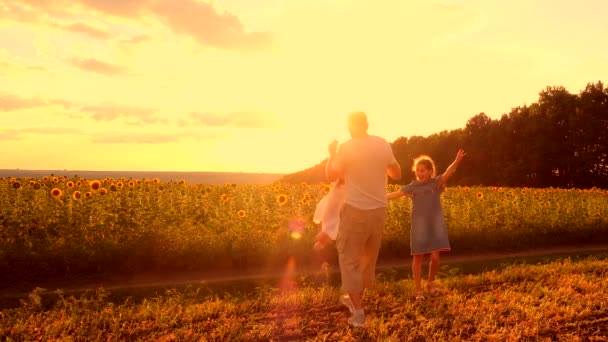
<point>9,135</point>
<point>114,112</point>
<point>448,7</point>
<point>18,12</point>
<point>123,8</point>
<point>86,29</point>
<point>10,67</point>
<point>16,134</point>
<point>93,65</point>
<point>110,112</point>
<point>197,19</point>
<point>201,21</point>
<point>136,39</point>
<point>155,138</point>
<point>136,139</point>
<point>4,67</point>
<point>235,119</point>
<point>10,102</point>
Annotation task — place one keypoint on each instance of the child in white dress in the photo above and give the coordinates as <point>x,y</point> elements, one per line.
<point>327,214</point>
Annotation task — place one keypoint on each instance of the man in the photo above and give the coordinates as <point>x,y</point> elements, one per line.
<point>363,162</point>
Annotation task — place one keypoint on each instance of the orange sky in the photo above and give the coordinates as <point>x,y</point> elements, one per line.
<point>264,85</point>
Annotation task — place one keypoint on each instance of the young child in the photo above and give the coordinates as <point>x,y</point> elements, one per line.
<point>328,214</point>
<point>429,233</point>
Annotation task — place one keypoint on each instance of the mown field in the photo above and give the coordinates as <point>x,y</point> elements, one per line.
<point>562,300</point>
<point>60,227</point>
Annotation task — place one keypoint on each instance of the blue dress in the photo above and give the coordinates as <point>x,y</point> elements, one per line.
<point>429,232</point>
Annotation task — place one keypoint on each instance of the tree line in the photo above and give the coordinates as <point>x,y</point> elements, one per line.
<point>559,141</point>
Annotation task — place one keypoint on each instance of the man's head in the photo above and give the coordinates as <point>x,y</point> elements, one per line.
<point>357,124</point>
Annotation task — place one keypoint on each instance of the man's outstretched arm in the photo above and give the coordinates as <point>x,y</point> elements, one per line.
<point>330,172</point>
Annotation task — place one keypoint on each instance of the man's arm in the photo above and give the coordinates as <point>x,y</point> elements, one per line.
<point>394,171</point>
<point>330,172</point>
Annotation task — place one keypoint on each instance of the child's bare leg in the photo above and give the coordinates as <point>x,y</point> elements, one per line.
<point>417,270</point>
<point>433,269</point>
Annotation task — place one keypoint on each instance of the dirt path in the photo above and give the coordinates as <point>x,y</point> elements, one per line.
<point>206,277</point>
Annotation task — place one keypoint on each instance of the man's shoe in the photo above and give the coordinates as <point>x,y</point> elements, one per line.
<point>357,319</point>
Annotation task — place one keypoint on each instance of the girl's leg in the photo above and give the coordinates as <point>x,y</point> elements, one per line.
<point>433,269</point>
<point>416,272</point>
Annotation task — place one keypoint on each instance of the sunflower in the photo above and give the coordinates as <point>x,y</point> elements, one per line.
<point>182,182</point>
<point>56,193</point>
<point>161,188</point>
<point>36,186</point>
<point>88,194</point>
<point>32,183</point>
<point>479,195</point>
<point>55,180</point>
<point>326,187</point>
<point>282,199</point>
<point>120,184</point>
<point>138,182</point>
<point>113,187</point>
<point>79,183</point>
<point>76,195</point>
<point>241,213</point>
<point>224,198</point>
<point>45,178</point>
<point>156,180</point>
<point>131,184</point>
<point>95,185</point>
<point>70,184</point>
<point>103,191</point>
<point>16,185</point>
<point>305,199</point>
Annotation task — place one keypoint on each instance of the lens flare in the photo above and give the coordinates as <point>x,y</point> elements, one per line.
<point>288,281</point>
<point>296,228</point>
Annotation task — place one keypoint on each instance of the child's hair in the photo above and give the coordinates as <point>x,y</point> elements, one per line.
<point>425,161</point>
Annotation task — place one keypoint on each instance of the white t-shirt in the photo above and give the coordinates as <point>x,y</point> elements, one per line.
<point>363,162</point>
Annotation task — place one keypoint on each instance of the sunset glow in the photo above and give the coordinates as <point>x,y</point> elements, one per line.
<point>265,85</point>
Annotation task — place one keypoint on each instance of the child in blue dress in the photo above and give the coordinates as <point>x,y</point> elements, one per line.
<point>429,233</point>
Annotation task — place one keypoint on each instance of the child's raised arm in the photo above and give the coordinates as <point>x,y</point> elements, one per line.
<point>452,168</point>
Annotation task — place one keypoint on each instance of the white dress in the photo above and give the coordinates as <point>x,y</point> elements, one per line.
<point>328,211</point>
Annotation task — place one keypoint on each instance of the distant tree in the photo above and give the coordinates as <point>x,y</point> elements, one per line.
<point>559,141</point>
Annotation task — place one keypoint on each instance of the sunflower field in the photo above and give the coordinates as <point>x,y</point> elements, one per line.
<point>55,226</point>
